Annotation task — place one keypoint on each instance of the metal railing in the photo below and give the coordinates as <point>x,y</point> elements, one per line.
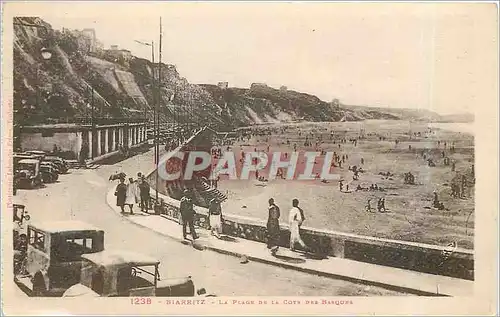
<point>40,119</point>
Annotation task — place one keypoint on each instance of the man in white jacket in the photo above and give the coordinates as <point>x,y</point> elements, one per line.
<point>295,218</point>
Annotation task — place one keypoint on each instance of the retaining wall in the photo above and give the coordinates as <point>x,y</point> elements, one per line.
<point>401,254</point>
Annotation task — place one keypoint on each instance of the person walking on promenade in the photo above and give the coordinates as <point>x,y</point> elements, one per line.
<point>121,194</point>
<point>273,227</point>
<point>138,182</point>
<point>295,219</point>
<point>131,195</point>
<point>215,212</point>
<point>144,192</point>
<point>187,215</point>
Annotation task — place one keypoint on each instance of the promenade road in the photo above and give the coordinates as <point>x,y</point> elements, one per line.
<point>81,195</point>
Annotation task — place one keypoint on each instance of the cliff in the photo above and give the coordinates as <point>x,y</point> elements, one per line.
<point>64,86</point>
<point>78,75</point>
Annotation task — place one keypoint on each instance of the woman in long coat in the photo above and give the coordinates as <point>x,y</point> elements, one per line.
<point>121,194</point>
<point>131,194</point>
<point>273,227</point>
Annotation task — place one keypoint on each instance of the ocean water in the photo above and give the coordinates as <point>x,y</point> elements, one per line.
<point>455,127</point>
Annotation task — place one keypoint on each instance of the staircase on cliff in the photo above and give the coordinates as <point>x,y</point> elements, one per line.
<point>208,192</point>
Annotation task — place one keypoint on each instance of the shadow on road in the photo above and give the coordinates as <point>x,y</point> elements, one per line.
<point>120,157</point>
<point>313,256</point>
<point>228,238</point>
<point>289,259</point>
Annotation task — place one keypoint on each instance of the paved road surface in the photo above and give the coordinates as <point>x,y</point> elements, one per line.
<point>81,196</point>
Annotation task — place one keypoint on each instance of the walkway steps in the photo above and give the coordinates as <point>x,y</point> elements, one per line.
<point>210,192</point>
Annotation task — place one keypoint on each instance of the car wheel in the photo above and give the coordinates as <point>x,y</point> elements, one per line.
<point>23,239</point>
<point>33,183</point>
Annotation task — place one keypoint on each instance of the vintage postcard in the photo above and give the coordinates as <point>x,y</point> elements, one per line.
<point>249,158</point>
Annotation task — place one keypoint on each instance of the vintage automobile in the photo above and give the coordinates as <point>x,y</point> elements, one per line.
<point>49,172</point>
<point>55,166</point>
<point>59,162</point>
<point>20,219</point>
<point>54,256</point>
<point>20,239</point>
<point>33,155</point>
<point>20,156</point>
<point>124,273</point>
<point>42,154</point>
<point>27,172</point>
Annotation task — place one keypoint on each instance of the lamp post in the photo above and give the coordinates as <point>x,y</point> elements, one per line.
<point>92,122</point>
<point>90,91</point>
<point>152,45</point>
<point>46,55</point>
<point>156,101</point>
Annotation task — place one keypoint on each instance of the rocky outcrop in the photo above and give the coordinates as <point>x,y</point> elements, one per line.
<point>75,77</point>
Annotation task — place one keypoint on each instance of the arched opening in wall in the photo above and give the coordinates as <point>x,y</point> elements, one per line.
<point>126,136</point>
<point>95,146</point>
<point>103,142</point>
<point>110,140</point>
<point>117,138</point>
<point>85,150</point>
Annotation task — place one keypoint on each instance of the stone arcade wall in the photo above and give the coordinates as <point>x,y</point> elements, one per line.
<point>419,257</point>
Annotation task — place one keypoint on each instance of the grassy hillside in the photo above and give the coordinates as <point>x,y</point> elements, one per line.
<point>59,89</point>
<point>263,104</point>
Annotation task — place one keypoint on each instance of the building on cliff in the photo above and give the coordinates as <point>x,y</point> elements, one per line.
<point>258,85</point>
<point>86,40</point>
<point>90,39</point>
<point>223,84</point>
<point>118,55</point>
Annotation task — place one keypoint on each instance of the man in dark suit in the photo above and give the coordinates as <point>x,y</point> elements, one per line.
<point>187,214</point>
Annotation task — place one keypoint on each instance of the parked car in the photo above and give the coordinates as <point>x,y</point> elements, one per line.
<point>21,156</point>
<point>59,162</point>
<point>27,172</point>
<point>49,172</point>
<point>20,218</point>
<point>20,238</point>
<point>54,255</point>
<point>42,154</point>
<point>124,273</point>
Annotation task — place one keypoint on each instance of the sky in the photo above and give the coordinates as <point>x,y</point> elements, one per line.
<point>440,57</point>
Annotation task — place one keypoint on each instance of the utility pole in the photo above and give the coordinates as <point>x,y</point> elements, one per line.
<point>157,117</point>
<point>152,77</point>
<point>92,122</point>
<point>152,85</point>
<point>153,89</point>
